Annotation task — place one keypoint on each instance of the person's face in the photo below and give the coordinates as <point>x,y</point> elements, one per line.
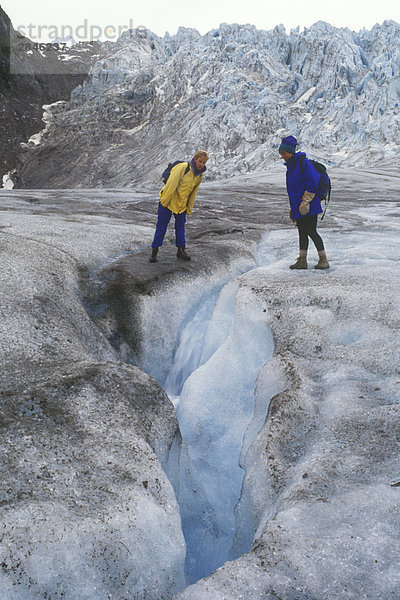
<point>285,155</point>
<point>200,162</point>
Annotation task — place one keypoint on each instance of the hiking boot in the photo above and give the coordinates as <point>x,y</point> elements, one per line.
<point>153,257</point>
<point>301,262</point>
<point>322,261</point>
<point>182,253</point>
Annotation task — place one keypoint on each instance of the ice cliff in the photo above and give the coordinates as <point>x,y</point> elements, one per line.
<point>233,91</point>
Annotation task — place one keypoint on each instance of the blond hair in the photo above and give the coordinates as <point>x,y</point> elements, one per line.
<point>201,154</point>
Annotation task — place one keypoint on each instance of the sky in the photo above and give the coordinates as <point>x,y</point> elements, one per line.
<point>44,20</point>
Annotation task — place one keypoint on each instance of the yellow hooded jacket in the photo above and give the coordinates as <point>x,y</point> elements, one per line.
<point>179,193</point>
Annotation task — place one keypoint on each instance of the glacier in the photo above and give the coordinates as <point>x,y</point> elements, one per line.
<point>235,91</point>
<point>225,428</point>
<point>277,473</point>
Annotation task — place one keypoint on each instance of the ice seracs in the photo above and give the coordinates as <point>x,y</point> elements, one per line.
<point>234,91</point>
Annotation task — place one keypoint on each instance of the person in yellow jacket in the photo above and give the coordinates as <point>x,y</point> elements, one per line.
<point>177,198</point>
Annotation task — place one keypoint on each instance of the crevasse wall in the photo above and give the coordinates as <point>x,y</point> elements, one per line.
<point>223,343</point>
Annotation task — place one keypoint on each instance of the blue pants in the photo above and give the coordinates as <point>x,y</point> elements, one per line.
<point>164,217</point>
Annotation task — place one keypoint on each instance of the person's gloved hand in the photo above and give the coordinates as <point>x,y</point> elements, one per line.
<point>304,207</point>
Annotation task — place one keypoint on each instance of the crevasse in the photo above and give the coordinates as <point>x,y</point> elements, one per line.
<point>211,381</point>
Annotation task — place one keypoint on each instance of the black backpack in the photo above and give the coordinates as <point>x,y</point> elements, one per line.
<point>167,171</point>
<point>324,185</point>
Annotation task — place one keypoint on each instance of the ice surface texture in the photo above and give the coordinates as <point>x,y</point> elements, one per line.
<point>87,437</point>
<point>86,508</point>
<point>318,491</point>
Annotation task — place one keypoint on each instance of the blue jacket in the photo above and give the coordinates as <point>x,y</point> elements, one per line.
<point>297,184</point>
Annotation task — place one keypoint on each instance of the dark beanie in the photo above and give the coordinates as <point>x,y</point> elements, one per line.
<point>288,145</point>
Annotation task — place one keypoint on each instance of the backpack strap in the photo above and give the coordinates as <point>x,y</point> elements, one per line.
<point>328,197</point>
<point>186,171</point>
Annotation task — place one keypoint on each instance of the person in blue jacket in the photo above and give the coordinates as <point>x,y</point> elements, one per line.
<point>305,205</point>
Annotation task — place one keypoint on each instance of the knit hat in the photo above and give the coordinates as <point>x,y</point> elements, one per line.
<point>288,145</point>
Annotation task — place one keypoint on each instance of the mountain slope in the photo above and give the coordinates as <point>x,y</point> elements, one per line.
<point>31,82</point>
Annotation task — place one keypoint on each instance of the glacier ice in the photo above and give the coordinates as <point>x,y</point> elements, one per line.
<point>159,341</point>
<point>215,407</point>
<point>235,91</point>
<point>318,506</point>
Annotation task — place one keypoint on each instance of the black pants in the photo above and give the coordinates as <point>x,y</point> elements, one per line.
<point>307,227</point>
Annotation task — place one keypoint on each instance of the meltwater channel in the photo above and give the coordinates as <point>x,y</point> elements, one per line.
<point>221,349</point>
